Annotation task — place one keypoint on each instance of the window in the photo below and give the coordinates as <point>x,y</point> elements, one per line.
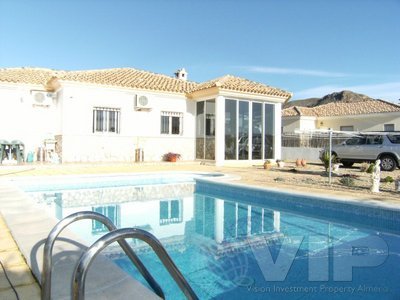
<point>113,212</point>
<point>106,119</point>
<point>205,129</point>
<point>230,129</point>
<point>269,130</point>
<point>388,127</point>
<point>243,130</point>
<point>356,141</point>
<point>257,127</point>
<point>395,139</point>
<point>170,212</point>
<point>171,122</point>
<point>374,140</point>
<point>347,128</point>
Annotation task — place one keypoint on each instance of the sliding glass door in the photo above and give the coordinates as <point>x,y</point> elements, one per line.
<point>249,130</point>
<point>269,129</point>
<point>257,130</point>
<point>205,130</point>
<point>230,129</point>
<point>243,129</point>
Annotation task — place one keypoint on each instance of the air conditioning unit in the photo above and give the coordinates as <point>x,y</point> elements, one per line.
<point>41,98</point>
<point>142,103</point>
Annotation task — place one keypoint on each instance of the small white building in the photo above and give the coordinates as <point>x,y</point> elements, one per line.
<point>107,115</point>
<point>364,115</point>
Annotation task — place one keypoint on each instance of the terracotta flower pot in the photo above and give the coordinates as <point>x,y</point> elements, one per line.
<point>298,162</point>
<point>303,162</point>
<point>267,166</point>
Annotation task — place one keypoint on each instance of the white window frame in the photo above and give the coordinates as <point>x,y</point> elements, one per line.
<point>105,127</point>
<point>170,115</point>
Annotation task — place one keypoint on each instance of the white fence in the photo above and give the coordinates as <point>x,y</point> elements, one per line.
<point>307,145</point>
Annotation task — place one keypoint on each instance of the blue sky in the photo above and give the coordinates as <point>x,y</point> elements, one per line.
<point>308,47</point>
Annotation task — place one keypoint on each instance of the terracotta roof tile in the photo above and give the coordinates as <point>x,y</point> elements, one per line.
<point>233,83</point>
<point>132,78</point>
<point>298,111</point>
<point>27,75</point>
<point>343,109</point>
<point>358,108</point>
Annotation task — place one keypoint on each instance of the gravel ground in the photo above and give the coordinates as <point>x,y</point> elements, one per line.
<point>314,178</point>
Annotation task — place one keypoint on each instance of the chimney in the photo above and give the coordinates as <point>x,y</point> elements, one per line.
<point>181,74</point>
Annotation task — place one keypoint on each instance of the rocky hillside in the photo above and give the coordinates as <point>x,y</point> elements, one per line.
<point>343,96</point>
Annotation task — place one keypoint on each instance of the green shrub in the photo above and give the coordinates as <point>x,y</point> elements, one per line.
<point>325,157</point>
<point>370,168</point>
<point>347,181</point>
<point>388,179</point>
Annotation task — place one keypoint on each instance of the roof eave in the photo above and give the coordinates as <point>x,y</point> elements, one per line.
<point>217,91</point>
<point>130,88</point>
<point>388,113</point>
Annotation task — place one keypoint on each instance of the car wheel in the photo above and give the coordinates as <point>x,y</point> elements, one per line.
<point>347,164</point>
<point>388,163</point>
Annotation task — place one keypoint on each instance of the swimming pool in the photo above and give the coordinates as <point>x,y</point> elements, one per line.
<point>233,242</point>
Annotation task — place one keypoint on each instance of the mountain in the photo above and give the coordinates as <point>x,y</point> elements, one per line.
<point>343,96</point>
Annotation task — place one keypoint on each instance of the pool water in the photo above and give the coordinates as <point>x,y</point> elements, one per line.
<point>232,248</point>
<point>232,268</point>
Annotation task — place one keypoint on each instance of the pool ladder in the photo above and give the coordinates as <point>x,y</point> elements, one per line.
<point>115,235</point>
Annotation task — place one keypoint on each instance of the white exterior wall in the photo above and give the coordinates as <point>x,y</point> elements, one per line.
<point>138,129</point>
<point>21,120</point>
<point>308,123</point>
<point>291,124</point>
<point>372,122</point>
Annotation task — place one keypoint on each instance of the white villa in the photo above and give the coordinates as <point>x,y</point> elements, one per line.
<point>113,114</point>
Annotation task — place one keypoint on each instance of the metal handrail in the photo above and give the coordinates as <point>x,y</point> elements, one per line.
<point>48,249</point>
<point>78,281</point>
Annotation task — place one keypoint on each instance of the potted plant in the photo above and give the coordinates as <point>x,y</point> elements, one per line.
<point>267,164</point>
<point>172,157</point>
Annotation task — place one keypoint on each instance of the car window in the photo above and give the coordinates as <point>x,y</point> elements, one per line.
<point>356,141</point>
<point>374,140</point>
<point>395,139</point>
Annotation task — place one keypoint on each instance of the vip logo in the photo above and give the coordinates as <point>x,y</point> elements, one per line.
<point>365,252</point>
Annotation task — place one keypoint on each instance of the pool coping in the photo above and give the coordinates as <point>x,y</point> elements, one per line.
<point>313,194</point>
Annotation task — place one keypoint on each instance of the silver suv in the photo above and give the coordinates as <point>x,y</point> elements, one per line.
<point>368,147</point>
